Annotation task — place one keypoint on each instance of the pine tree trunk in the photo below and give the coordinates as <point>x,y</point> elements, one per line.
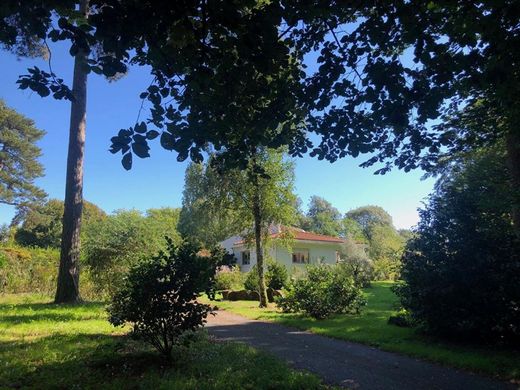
<point>513,155</point>
<point>68,276</point>
<point>258,242</point>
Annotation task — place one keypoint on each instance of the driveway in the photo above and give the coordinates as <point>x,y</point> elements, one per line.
<point>345,363</point>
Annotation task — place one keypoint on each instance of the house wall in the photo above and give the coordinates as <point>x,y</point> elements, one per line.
<point>318,253</point>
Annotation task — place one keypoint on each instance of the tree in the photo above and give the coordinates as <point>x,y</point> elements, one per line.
<point>265,197</point>
<point>352,229</point>
<point>205,215</point>
<point>260,196</point>
<point>323,218</point>
<point>367,216</point>
<point>19,154</point>
<point>385,245</point>
<point>461,269</point>
<point>386,72</point>
<point>41,225</point>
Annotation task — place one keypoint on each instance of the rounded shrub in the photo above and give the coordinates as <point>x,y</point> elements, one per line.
<point>158,297</point>
<point>324,291</point>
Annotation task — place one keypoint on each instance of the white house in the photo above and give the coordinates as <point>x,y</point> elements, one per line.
<point>306,248</point>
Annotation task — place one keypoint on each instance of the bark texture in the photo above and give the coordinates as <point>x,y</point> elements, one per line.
<point>68,275</point>
<point>258,243</point>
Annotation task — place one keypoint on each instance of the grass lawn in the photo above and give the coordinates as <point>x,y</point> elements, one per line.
<point>58,346</point>
<point>370,327</point>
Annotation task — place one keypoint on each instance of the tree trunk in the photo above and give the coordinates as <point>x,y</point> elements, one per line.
<point>513,156</point>
<point>258,243</point>
<point>68,276</point>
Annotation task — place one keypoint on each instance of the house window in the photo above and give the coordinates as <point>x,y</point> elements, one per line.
<point>300,256</point>
<point>246,257</point>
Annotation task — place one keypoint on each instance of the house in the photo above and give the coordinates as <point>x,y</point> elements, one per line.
<point>306,248</point>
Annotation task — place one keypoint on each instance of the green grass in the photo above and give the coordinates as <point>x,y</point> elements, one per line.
<point>371,327</point>
<point>59,346</point>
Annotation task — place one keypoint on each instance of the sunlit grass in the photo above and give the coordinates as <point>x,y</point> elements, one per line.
<point>43,345</point>
<point>371,327</point>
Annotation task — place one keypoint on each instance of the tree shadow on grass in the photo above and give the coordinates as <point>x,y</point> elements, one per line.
<point>84,360</point>
<point>32,312</point>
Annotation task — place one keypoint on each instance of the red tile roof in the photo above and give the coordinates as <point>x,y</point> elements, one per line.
<point>302,235</point>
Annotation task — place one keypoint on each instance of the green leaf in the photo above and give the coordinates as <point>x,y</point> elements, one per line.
<point>152,134</point>
<point>141,149</point>
<point>140,127</point>
<point>127,161</point>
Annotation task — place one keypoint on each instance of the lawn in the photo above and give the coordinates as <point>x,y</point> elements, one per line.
<point>58,346</point>
<point>371,327</point>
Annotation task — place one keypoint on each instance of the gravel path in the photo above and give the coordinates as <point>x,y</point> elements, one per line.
<point>345,363</point>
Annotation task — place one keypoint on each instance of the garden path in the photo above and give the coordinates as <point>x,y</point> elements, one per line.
<point>344,363</point>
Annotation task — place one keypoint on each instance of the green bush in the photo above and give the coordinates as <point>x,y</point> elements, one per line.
<point>461,270</point>
<point>360,268</point>
<point>229,278</point>
<point>324,291</point>
<point>276,277</point>
<point>114,244</point>
<point>252,281</point>
<point>158,297</point>
<point>34,270</point>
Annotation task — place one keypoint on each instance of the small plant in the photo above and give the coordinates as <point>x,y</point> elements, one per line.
<point>276,277</point>
<point>322,292</point>
<point>229,278</point>
<point>158,297</point>
<point>360,268</point>
<point>252,281</point>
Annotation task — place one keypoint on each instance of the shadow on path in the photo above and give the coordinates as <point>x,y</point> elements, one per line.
<point>345,363</point>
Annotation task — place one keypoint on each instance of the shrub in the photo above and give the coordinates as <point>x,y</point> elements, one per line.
<point>461,270</point>
<point>252,281</point>
<point>158,297</point>
<point>324,291</point>
<point>229,278</point>
<point>360,268</point>
<point>356,262</point>
<point>34,270</point>
<point>276,277</point>
<point>114,244</point>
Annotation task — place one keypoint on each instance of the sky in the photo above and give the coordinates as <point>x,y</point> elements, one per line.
<point>158,181</point>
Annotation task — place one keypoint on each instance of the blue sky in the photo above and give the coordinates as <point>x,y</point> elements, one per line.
<point>158,181</point>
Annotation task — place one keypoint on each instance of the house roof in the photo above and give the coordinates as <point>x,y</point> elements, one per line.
<point>302,235</point>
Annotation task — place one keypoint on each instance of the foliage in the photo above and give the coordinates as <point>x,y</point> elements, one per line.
<point>368,216</point>
<point>33,270</point>
<point>41,225</point>
<point>351,229</point>
<point>158,297</point>
<point>385,250</point>
<point>355,262</point>
<point>19,154</point>
<point>114,244</point>
<point>75,344</point>
<point>229,278</point>
<point>276,275</point>
<point>252,282</point>
<point>371,327</point>
<point>461,270</point>
<point>206,215</point>
<point>323,292</point>
<point>385,245</point>
<point>322,217</point>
